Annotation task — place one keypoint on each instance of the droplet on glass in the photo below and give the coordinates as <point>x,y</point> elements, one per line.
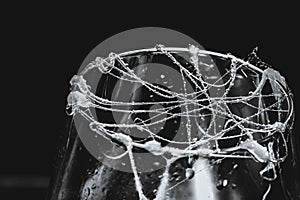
<point>189,173</point>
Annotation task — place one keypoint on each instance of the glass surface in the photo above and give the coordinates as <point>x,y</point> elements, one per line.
<point>231,123</point>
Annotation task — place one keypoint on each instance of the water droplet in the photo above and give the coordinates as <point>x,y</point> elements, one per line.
<point>69,110</point>
<point>225,183</point>
<point>94,186</point>
<point>189,173</point>
<point>222,183</point>
<point>176,174</point>
<point>86,193</point>
<point>235,166</point>
<point>162,76</point>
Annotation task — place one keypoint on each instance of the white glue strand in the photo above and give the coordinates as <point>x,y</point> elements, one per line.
<point>138,183</point>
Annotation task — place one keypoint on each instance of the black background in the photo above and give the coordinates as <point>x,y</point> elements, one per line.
<point>44,46</point>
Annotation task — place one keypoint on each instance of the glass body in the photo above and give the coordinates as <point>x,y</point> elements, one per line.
<point>79,175</point>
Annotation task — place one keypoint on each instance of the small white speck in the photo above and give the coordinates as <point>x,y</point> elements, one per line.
<point>225,182</point>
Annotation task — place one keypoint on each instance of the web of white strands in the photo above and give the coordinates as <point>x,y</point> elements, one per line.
<point>81,100</point>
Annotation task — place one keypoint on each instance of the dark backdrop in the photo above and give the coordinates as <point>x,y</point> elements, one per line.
<point>44,46</point>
